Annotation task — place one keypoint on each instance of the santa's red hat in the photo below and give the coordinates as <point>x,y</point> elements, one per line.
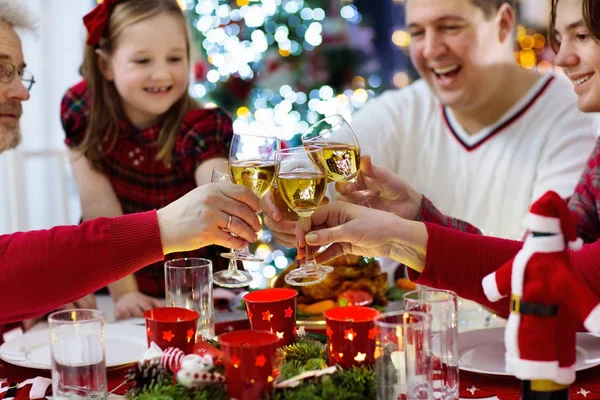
<point>550,214</point>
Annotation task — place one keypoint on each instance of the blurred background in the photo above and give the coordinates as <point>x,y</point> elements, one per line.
<point>275,65</point>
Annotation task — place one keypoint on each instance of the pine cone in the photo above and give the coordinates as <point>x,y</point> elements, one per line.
<point>145,375</point>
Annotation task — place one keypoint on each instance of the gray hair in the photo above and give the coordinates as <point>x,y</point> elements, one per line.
<point>16,15</point>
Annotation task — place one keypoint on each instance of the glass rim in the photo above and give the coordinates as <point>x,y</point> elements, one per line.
<point>299,149</point>
<point>206,263</point>
<point>332,314</point>
<point>380,323</point>
<point>286,294</point>
<point>185,314</point>
<point>219,164</point>
<point>452,296</point>
<point>96,316</point>
<point>269,337</point>
<point>340,120</point>
<point>257,136</point>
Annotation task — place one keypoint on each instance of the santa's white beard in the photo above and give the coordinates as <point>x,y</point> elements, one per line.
<point>10,136</point>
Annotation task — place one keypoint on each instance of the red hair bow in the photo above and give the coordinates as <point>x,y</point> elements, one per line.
<point>96,21</point>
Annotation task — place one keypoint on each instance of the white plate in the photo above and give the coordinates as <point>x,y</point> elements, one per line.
<point>482,351</point>
<point>123,344</point>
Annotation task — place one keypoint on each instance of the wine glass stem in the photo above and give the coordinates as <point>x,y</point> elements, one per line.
<point>232,267</point>
<point>360,185</point>
<point>305,223</point>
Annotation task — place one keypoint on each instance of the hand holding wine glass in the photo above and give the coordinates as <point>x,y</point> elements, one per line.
<point>302,186</point>
<point>384,190</point>
<point>253,164</point>
<point>232,277</point>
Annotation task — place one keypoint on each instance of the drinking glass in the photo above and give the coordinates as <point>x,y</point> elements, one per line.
<point>443,307</point>
<point>232,277</point>
<point>252,163</point>
<point>302,185</point>
<point>188,284</point>
<point>403,363</point>
<point>77,351</point>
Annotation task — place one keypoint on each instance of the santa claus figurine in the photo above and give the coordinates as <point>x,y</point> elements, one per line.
<point>548,302</point>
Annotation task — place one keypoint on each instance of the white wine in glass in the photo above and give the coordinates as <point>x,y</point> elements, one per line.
<point>302,185</point>
<point>256,175</point>
<point>340,159</point>
<point>253,164</point>
<point>232,277</point>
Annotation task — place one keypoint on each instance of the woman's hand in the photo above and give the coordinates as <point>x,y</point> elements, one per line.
<point>201,217</point>
<point>352,229</point>
<point>385,191</point>
<point>280,222</point>
<point>133,304</point>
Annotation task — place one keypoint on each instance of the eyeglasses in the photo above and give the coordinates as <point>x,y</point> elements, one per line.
<point>8,72</point>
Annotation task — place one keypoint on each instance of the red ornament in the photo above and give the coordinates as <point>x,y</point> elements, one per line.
<point>200,70</point>
<point>239,88</point>
<point>202,348</point>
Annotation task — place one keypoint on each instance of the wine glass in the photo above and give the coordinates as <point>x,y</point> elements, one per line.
<point>302,185</point>
<point>232,277</point>
<point>341,151</point>
<point>252,163</point>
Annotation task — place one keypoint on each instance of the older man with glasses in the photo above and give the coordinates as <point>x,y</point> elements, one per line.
<point>14,90</point>
<point>42,270</point>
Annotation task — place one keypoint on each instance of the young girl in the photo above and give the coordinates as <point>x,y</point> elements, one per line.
<point>138,141</point>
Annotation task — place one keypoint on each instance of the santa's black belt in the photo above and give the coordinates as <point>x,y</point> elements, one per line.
<point>539,310</point>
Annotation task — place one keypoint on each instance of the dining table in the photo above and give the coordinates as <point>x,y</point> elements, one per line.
<point>473,385</point>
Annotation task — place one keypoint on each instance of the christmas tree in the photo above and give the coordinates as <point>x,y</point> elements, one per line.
<point>279,65</point>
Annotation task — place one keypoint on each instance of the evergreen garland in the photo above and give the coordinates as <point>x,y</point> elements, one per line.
<point>307,354</point>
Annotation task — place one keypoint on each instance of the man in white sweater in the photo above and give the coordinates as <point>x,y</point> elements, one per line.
<point>478,135</point>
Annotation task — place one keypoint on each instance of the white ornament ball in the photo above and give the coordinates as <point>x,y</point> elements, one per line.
<point>194,370</point>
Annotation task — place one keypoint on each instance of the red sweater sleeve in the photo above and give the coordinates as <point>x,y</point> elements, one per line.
<point>458,261</point>
<point>42,270</point>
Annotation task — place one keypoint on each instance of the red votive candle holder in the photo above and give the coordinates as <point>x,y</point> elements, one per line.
<point>273,310</point>
<point>351,335</point>
<point>249,357</point>
<point>172,327</point>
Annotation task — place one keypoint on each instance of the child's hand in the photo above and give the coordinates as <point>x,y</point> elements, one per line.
<point>88,301</point>
<point>133,304</point>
